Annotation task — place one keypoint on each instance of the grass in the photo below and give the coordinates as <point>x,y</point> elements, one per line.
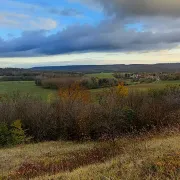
<point>146,157</point>
<point>24,87</point>
<point>155,85</point>
<point>31,88</point>
<point>101,75</point>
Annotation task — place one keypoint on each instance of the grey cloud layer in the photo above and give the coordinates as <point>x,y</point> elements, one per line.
<point>108,36</point>
<point>161,30</point>
<point>137,7</point>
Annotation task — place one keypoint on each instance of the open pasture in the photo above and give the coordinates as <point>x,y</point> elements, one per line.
<point>24,87</point>
<point>160,84</point>
<point>31,88</point>
<point>100,75</point>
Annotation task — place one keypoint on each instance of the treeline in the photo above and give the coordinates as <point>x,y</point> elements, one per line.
<point>73,116</point>
<point>169,76</point>
<point>169,67</point>
<point>86,82</point>
<point>15,74</point>
<point>17,78</point>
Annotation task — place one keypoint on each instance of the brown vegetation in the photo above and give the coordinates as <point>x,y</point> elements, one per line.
<point>153,156</point>
<point>65,82</point>
<point>74,117</point>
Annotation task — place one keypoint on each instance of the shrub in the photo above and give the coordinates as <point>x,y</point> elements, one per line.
<point>17,133</point>
<point>4,134</point>
<point>73,116</point>
<point>12,135</point>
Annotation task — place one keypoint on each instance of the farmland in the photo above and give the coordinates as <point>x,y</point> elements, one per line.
<point>100,75</point>
<point>24,87</point>
<point>30,87</point>
<point>144,87</point>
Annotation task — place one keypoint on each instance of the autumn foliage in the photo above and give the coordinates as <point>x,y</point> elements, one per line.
<point>122,90</point>
<point>75,92</point>
<point>74,116</point>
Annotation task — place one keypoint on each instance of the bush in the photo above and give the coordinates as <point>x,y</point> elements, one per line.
<point>72,116</point>
<point>12,135</point>
<point>4,134</point>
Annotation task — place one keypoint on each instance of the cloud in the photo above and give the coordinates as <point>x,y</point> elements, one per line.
<point>19,5</point>
<point>65,12</point>
<point>136,7</point>
<point>108,36</point>
<point>92,4</point>
<point>159,20</point>
<point>25,22</point>
<point>42,23</point>
<point>29,8</point>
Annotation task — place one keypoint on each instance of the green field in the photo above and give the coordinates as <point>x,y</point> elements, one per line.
<point>31,88</point>
<point>160,84</point>
<point>101,75</point>
<point>155,85</point>
<point>25,87</point>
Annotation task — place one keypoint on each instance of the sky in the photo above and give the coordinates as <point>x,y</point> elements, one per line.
<point>75,32</point>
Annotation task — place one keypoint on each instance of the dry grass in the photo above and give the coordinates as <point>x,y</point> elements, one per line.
<point>150,157</point>
<point>12,158</point>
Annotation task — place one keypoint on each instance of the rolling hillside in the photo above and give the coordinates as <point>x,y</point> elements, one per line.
<point>171,67</point>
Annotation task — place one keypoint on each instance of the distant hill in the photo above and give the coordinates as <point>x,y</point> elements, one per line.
<point>167,67</point>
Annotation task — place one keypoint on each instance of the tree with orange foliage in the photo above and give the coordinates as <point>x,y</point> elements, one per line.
<point>76,99</point>
<point>75,92</point>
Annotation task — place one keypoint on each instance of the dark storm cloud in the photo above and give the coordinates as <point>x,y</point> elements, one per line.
<point>137,7</point>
